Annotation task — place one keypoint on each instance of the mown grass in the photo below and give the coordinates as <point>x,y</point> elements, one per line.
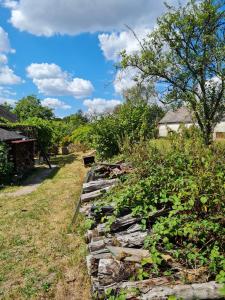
<point>42,256</point>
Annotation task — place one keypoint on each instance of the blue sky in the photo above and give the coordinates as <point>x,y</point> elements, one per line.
<point>65,51</point>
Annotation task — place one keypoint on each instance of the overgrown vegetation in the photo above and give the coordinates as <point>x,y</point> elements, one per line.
<point>133,121</point>
<point>5,165</point>
<point>184,182</point>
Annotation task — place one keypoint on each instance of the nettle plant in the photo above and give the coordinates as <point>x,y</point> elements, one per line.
<point>185,183</point>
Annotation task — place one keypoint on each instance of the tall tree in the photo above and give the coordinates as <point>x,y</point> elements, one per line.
<point>7,106</point>
<point>186,55</point>
<point>74,121</point>
<point>77,119</point>
<point>140,91</point>
<point>30,107</point>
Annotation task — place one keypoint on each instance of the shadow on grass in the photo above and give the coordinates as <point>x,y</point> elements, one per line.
<point>40,173</point>
<point>63,160</point>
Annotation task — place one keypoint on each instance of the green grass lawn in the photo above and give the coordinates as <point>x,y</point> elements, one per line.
<point>41,255</point>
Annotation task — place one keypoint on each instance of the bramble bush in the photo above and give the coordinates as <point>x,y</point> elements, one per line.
<point>187,184</point>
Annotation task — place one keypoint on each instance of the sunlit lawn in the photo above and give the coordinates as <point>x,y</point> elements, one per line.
<point>41,255</point>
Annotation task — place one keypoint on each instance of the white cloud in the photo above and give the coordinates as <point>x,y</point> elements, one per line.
<point>52,81</point>
<point>3,59</point>
<point>55,103</point>
<point>74,17</point>
<point>125,79</point>
<point>8,101</point>
<point>7,76</point>
<point>10,4</point>
<point>112,44</point>
<point>44,70</point>
<point>4,41</point>
<point>6,92</point>
<point>99,106</point>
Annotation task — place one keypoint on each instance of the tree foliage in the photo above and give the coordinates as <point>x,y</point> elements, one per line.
<point>131,121</point>
<point>5,166</point>
<point>186,55</point>
<point>74,121</point>
<point>7,106</point>
<point>82,134</point>
<point>44,131</point>
<point>30,107</point>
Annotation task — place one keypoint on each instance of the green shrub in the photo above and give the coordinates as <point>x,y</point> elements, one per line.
<point>82,135</point>
<point>44,132</point>
<point>6,167</point>
<point>132,121</point>
<point>106,135</point>
<point>186,182</point>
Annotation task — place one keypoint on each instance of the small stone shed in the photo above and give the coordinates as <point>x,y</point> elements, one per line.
<point>21,150</point>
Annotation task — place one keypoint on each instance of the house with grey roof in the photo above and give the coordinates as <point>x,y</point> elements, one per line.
<point>173,119</point>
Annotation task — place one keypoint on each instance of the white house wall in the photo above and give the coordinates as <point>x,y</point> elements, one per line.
<point>220,127</point>
<point>164,128</point>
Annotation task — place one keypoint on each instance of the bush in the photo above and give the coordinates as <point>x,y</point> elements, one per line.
<point>131,121</point>
<point>6,167</point>
<point>82,135</point>
<point>186,182</point>
<point>106,135</point>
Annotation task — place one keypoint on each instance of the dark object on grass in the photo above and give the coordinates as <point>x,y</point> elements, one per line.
<point>88,160</point>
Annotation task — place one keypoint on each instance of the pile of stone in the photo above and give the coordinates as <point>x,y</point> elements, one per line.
<point>116,253</point>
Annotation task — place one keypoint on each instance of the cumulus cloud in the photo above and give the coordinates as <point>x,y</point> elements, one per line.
<point>3,59</point>
<point>55,103</point>
<point>74,17</point>
<point>7,76</point>
<point>113,43</point>
<point>44,70</point>
<point>51,80</point>
<point>4,42</point>
<point>8,101</point>
<point>10,4</point>
<point>6,92</point>
<point>98,106</point>
<point>125,79</point>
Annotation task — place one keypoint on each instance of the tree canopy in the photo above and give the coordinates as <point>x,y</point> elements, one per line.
<point>7,106</point>
<point>30,107</point>
<point>185,54</point>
